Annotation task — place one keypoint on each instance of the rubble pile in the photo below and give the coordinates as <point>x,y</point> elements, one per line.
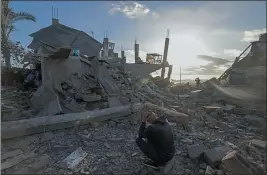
<point>214,134</point>
<point>86,121</point>
<point>14,105</point>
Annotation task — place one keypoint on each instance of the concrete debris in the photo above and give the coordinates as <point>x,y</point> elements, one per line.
<point>236,164</point>
<point>74,158</point>
<point>214,156</point>
<point>209,171</point>
<point>258,143</point>
<point>47,123</point>
<point>87,110</point>
<point>113,101</point>
<point>196,151</point>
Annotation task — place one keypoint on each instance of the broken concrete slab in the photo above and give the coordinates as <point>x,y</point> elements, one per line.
<point>113,101</point>
<point>107,81</point>
<point>258,143</point>
<point>15,160</point>
<point>74,158</point>
<point>236,164</point>
<point>196,151</point>
<point>91,98</point>
<point>214,156</point>
<point>209,171</point>
<point>47,123</point>
<point>11,154</point>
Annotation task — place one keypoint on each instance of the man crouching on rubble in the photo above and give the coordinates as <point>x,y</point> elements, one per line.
<point>156,139</point>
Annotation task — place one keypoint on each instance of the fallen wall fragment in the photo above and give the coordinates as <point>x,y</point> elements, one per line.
<point>48,123</point>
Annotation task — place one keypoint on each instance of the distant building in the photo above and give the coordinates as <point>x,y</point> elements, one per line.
<point>107,52</point>
<point>49,39</point>
<point>58,35</point>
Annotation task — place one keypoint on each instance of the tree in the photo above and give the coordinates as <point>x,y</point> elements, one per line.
<point>8,20</point>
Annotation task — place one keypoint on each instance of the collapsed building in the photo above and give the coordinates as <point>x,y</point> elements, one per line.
<point>247,75</point>
<point>89,104</point>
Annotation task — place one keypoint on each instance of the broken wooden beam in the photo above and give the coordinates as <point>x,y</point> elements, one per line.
<point>19,128</point>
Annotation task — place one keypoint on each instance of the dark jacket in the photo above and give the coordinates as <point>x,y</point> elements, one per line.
<point>160,135</point>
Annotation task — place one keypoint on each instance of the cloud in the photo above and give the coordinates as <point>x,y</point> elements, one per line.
<point>232,52</point>
<point>253,35</point>
<point>215,66</point>
<point>194,30</point>
<point>214,60</point>
<point>131,9</point>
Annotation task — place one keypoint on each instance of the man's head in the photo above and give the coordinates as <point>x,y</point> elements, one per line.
<point>151,117</point>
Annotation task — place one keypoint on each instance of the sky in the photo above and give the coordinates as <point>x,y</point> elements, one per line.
<point>217,30</point>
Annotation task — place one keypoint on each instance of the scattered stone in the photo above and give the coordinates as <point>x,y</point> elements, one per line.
<point>187,172</point>
<point>74,158</point>
<point>196,151</point>
<point>258,143</point>
<point>134,154</point>
<point>201,172</point>
<point>228,108</point>
<point>203,165</point>
<point>84,171</point>
<point>240,111</point>
<point>113,101</point>
<point>42,150</point>
<point>219,172</point>
<point>214,156</point>
<point>91,98</point>
<point>113,154</point>
<point>231,145</point>
<point>94,124</point>
<point>40,163</point>
<point>107,145</point>
<point>255,121</point>
<point>188,141</point>
<point>209,171</point>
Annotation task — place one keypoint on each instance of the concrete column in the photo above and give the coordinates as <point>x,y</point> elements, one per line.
<point>170,72</point>
<point>136,52</point>
<point>105,48</point>
<point>123,61</point>
<point>122,54</point>
<point>165,54</point>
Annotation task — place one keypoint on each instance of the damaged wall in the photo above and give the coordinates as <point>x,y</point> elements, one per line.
<point>142,70</point>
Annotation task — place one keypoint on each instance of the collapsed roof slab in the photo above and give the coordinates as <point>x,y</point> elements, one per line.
<point>58,35</point>
<point>142,70</point>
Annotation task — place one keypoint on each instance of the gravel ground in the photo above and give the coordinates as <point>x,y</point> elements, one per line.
<point>111,145</point>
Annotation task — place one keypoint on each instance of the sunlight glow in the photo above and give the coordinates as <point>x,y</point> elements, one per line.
<point>183,51</point>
